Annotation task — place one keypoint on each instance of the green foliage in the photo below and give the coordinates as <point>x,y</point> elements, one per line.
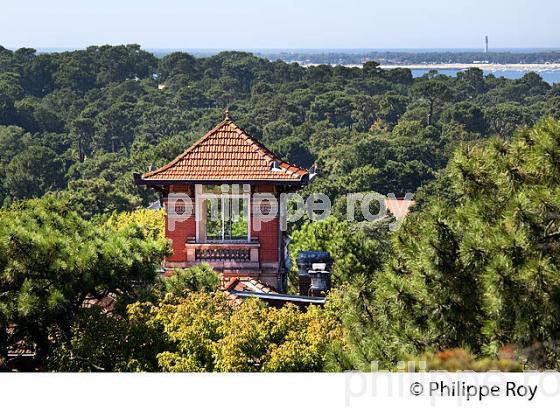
<point>208,335</point>
<point>469,115</point>
<point>505,118</point>
<point>274,340</point>
<point>33,172</point>
<point>108,111</point>
<point>355,254</point>
<point>432,92</point>
<point>395,163</point>
<point>192,325</point>
<point>199,331</point>
<point>479,270</point>
<point>195,279</point>
<point>52,261</point>
<point>97,196</point>
<point>107,342</point>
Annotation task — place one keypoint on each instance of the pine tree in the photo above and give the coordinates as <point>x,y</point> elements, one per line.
<point>52,261</point>
<point>478,274</point>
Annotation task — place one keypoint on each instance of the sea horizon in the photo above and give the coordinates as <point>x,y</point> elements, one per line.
<point>514,70</point>
<point>317,50</point>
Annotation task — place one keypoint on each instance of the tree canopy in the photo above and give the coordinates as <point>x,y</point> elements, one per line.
<point>472,270</point>
<point>104,112</point>
<point>479,271</point>
<point>52,262</point>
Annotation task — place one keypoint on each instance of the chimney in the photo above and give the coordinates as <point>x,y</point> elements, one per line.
<point>320,279</point>
<point>314,272</point>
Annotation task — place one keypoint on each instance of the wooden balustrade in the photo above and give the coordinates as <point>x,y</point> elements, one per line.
<point>217,254</point>
<point>231,253</point>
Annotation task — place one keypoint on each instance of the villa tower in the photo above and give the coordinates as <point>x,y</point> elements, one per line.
<point>224,226</point>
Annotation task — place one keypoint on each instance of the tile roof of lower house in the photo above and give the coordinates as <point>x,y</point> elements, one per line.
<point>22,347</point>
<point>106,303</point>
<point>18,347</point>
<point>247,284</point>
<point>280,299</point>
<point>243,284</point>
<point>238,289</point>
<point>226,153</point>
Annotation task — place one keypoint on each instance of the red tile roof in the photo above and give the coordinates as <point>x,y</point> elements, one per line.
<point>247,284</point>
<point>243,284</point>
<point>227,153</point>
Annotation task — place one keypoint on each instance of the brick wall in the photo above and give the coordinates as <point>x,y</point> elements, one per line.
<point>268,234</point>
<point>182,229</point>
<point>268,238</point>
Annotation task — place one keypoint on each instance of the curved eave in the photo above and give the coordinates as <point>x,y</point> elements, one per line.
<point>303,180</point>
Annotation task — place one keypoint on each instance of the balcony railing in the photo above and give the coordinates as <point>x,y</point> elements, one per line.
<point>227,252</point>
<point>217,254</point>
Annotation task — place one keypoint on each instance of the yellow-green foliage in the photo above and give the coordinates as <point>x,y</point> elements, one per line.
<point>260,338</point>
<point>152,222</point>
<point>191,324</point>
<point>208,334</point>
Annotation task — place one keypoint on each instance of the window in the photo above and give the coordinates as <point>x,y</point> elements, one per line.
<point>223,213</point>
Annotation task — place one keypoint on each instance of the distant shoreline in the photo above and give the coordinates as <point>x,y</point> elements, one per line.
<point>459,66</point>
<point>482,66</point>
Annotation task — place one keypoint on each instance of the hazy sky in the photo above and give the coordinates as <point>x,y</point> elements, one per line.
<point>280,24</point>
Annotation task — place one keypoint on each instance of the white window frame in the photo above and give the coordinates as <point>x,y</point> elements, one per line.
<point>201,196</point>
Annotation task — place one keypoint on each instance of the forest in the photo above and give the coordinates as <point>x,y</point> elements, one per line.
<point>471,280</point>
